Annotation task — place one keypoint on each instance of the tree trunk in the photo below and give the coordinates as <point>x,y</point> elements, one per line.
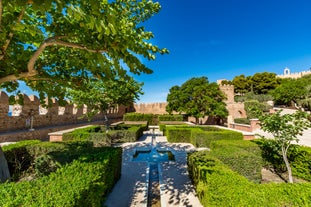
<point>289,169</point>
<point>4,169</point>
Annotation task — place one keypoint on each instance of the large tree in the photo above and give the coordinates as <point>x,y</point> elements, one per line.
<point>295,92</point>
<point>54,45</point>
<point>262,83</point>
<point>198,98</point>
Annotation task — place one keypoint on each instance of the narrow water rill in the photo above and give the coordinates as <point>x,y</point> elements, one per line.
<point>153,156</point>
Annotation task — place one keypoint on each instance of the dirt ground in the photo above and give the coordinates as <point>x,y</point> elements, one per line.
<point>268,176</point>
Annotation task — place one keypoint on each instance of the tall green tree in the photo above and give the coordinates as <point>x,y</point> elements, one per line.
<point>285,129</point>
<point>288,92</point>
<point>54,45</point>
<point>262,83</point>
<point>198,98</point>
<point>241,84</point>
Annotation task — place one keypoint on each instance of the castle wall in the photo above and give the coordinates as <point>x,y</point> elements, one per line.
<point>151,108</point>
<point>32,111</point>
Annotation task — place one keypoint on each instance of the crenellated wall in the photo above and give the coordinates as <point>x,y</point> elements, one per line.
<point>44,117</point>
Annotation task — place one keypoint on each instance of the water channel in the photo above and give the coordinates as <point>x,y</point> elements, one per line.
<point>153,157</point>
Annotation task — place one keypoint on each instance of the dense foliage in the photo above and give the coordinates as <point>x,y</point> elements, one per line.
<point>83,177</point>
<point>199,136</point>
<point>152,119</point>
<point>54,45</point>
<point>259,83</point>
<point>100,137</point>
<point>294,92</point>
<point>217,185</point>
<point>285,129</point>
<point>198,98</point>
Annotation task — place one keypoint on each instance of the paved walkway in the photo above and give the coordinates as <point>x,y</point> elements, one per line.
<point>175,186</point>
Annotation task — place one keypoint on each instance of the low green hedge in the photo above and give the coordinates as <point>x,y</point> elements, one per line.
<point>151,118</point>
<point>199,136</point>
<point>217,185</point>
<point>242,121</point>
<point>172,117</point>
<point>99,137</point>
<point>241,156</point>
<point>84,182</point>
<point>178,135</point>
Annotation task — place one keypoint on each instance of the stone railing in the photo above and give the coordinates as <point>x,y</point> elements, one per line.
<point>254,125</point>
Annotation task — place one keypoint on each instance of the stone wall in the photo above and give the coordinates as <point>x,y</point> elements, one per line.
<point>150,108</point>
<point>235,109</point>
<point>32,113</point>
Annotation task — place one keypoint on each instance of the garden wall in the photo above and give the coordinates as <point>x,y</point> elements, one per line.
<point>21,115</point>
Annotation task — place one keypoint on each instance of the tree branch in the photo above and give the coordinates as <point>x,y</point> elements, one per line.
<point>52,41</point>
<point>11,34</point>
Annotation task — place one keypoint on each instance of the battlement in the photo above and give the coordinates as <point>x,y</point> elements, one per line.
<point>288,74</point>
<point>17,117</point>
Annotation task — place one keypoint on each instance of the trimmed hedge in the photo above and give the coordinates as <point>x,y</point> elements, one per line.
<point>171,117</point>
<point>242,121</point>
<point>83,182</point>
<point>151,118</point>
<point>217,185</point>
<point>199,136</point>
<point>241,156</point>
<point>97,134</point>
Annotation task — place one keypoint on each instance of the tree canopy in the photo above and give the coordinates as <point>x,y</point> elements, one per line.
<point>53,45</point>
<point>103,95</point>
<point>259,83</point>
<point>294,91</point>
<point>198,98</point>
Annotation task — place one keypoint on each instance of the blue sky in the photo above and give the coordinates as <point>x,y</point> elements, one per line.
<point>221,39</point>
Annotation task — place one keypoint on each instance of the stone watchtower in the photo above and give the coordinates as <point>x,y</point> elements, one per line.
<point>228,90</point>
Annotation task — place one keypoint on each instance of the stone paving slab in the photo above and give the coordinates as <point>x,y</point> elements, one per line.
<point>175,186</point>
<point>132,188</point>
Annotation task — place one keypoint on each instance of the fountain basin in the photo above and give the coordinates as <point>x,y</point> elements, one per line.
<point>153,155</point>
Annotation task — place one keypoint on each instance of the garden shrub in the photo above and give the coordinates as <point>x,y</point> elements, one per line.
<point>241,156</point>
<point>99,136</point>
<point>171,117</point>
<point>242,121</point>
<point>178,135</point>
<point>84,182</point>
<point>199,136</point>
<point>151,118</point>
<point>41,158</point>
<point>298,156</point>
<point>217,185</point>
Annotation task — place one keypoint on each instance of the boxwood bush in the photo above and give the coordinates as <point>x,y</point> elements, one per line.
<point>241,156</point>
<point>151,118</point>
<point>97,134</point>
<point>199,136</point>
<point>217,185</point>
<point>82,182</point>
<point>171,117</point>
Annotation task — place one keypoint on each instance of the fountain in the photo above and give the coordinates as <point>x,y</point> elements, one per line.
<point>153,156</point>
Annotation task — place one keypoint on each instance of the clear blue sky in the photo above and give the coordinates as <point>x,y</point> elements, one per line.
<point>221,39</point>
